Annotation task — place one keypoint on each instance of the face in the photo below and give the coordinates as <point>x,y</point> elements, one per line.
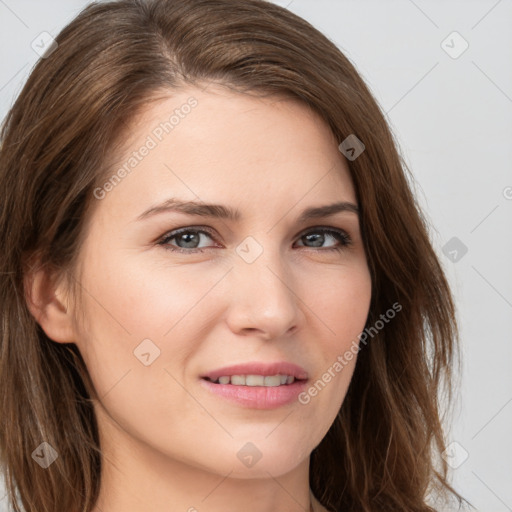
<point>171,295</point>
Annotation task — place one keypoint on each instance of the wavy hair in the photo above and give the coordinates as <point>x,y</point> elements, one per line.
<point>383,451</point>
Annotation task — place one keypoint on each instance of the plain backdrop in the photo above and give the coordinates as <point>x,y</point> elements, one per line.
<point>442,72</point>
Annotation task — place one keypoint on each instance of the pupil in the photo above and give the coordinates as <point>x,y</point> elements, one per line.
<point>316,238</point>
<point>188,238</point>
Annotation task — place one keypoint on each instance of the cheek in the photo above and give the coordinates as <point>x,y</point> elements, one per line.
<point>138,317</point>
<point>148,300</point>
<point>339,309</point>
<point>126,304</point>
<point>341,300</point>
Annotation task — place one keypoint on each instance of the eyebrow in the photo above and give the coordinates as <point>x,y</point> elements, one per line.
<point>225,212</point>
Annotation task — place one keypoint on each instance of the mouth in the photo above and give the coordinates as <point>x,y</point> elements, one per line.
<point>257,385</point>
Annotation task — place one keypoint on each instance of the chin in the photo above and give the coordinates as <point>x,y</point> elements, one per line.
<point>272,466</point>
<point>259,458</point>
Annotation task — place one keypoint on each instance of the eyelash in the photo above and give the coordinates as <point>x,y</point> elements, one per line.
<point>339,234</point>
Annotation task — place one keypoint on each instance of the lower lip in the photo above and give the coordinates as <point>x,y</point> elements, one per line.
<point>258,397</point>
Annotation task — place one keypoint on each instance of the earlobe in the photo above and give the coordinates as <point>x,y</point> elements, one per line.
<point>47,302</point>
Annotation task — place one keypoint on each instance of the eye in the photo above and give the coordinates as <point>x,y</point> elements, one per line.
<point>185,238</point>
<point>319,235</point>
<point>188,240</point>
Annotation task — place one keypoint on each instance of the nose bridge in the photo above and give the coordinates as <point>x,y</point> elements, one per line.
<point>263,296</point>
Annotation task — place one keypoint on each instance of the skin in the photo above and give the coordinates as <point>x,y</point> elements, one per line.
<point>169,444</point>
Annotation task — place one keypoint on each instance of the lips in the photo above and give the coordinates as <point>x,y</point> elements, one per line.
<point>246,389</point>
<point>258,368</point>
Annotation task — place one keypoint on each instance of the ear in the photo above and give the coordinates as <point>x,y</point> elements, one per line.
<point>47,301</point>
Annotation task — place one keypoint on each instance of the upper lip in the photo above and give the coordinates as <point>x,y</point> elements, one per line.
<point>258,368</point>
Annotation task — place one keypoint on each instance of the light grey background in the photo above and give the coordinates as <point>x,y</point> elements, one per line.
<point>453,120</point>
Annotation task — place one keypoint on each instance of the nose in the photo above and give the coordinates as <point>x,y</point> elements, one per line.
<point>262,297</point>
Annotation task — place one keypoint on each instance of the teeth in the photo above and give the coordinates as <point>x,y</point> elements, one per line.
<point>256,380</point>
<point>238,380</point>
<point>272,380</point>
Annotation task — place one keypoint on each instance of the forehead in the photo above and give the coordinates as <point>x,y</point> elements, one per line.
<point>219,146</point>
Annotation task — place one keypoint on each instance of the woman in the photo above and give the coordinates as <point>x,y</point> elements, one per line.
<point>218,291</point>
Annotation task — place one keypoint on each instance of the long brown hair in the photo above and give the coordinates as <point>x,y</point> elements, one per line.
<point>383,451</point>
